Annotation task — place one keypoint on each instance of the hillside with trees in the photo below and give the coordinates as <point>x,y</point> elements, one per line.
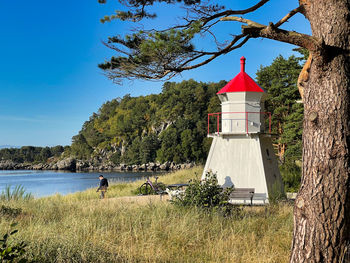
<point>32,154</point>
<point>168,127</point>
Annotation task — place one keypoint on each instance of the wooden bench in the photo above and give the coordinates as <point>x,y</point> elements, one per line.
<point>243,194</point>
<point>260,197</point>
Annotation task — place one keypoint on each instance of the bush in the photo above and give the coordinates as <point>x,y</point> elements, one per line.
<point>8,251</point>
<point>206,194</point>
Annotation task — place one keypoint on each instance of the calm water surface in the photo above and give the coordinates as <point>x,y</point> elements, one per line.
<point>45,183</point>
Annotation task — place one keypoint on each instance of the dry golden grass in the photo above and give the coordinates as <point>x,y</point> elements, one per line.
<point>81,228</point>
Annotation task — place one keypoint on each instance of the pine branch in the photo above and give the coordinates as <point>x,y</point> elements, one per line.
<point>289,15</point>
<point>158,54</point>
<point>226,50</point>
<point>254,29</point>
<point>243,20</point>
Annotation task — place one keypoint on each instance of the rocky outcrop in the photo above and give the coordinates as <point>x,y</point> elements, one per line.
<point>39,166</point>
<point>67,164</point>
<point>7,165</point>
<point>23,166</point>
<point>81,165</point>
<point>165,166</point>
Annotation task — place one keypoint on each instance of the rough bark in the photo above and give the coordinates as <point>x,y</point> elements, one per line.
<point>322,207</point>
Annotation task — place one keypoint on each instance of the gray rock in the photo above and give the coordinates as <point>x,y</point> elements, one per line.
<point>189,165</point>
<point>165,166</point>
<point>67,164</point>
<point>7,165</point>
<point>136,167</point>
<point>152,166</point>
<point>39,166</point>
<point>117,168</point>
<point>80,165</point>
<point>22,166</point>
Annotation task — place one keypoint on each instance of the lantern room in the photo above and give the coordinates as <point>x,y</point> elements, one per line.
<point>242,108</point>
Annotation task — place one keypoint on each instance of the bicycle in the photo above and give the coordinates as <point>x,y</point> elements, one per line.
<point>148,187</point>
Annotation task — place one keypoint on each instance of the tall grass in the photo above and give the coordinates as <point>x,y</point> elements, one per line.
<point>82,229</point>
<point>17,193</point>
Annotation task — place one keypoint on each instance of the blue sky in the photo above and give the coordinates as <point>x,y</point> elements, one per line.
<point>49,51</point>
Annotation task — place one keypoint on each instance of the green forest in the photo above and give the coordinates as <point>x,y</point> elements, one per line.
<point>32,154</point>
<point>170,126</point>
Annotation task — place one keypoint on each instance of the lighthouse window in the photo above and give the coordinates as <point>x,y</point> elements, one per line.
<point>267,152</point>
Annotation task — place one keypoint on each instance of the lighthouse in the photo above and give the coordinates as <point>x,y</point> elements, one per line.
<point>241,153</point>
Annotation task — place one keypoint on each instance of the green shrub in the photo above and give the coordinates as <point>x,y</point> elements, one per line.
<point>11,251</point>
<point>206,194</point>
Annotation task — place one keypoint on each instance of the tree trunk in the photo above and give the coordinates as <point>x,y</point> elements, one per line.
<point>322,207</point>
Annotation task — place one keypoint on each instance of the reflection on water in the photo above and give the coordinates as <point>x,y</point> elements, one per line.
<point>44,183</point>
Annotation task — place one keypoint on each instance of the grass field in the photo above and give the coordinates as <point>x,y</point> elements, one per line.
<point>80,228</point>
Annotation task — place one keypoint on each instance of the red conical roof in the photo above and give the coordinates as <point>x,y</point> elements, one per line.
<point>241,83</point>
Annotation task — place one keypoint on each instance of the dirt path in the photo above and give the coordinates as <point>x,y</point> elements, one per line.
<point>141,200</point>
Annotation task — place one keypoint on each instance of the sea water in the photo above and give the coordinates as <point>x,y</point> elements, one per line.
<point>45,183</point>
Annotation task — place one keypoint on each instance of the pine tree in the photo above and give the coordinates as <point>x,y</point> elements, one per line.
<point>280,81</point>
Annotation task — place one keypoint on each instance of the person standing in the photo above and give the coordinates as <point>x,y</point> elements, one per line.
<point>103,186</point>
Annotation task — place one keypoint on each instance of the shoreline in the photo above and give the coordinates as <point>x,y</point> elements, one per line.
<point>75,165</point>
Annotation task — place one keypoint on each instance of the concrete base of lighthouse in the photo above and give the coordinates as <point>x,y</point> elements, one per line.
<point>245,161</point>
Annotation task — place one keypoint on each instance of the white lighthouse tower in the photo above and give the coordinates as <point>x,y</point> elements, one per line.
<point>241,153</point>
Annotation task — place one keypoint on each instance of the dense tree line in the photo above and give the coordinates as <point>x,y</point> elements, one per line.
<point>31,154</point>
<point>170,126</point>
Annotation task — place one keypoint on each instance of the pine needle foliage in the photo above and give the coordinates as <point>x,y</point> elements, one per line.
<point>280,81</point>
